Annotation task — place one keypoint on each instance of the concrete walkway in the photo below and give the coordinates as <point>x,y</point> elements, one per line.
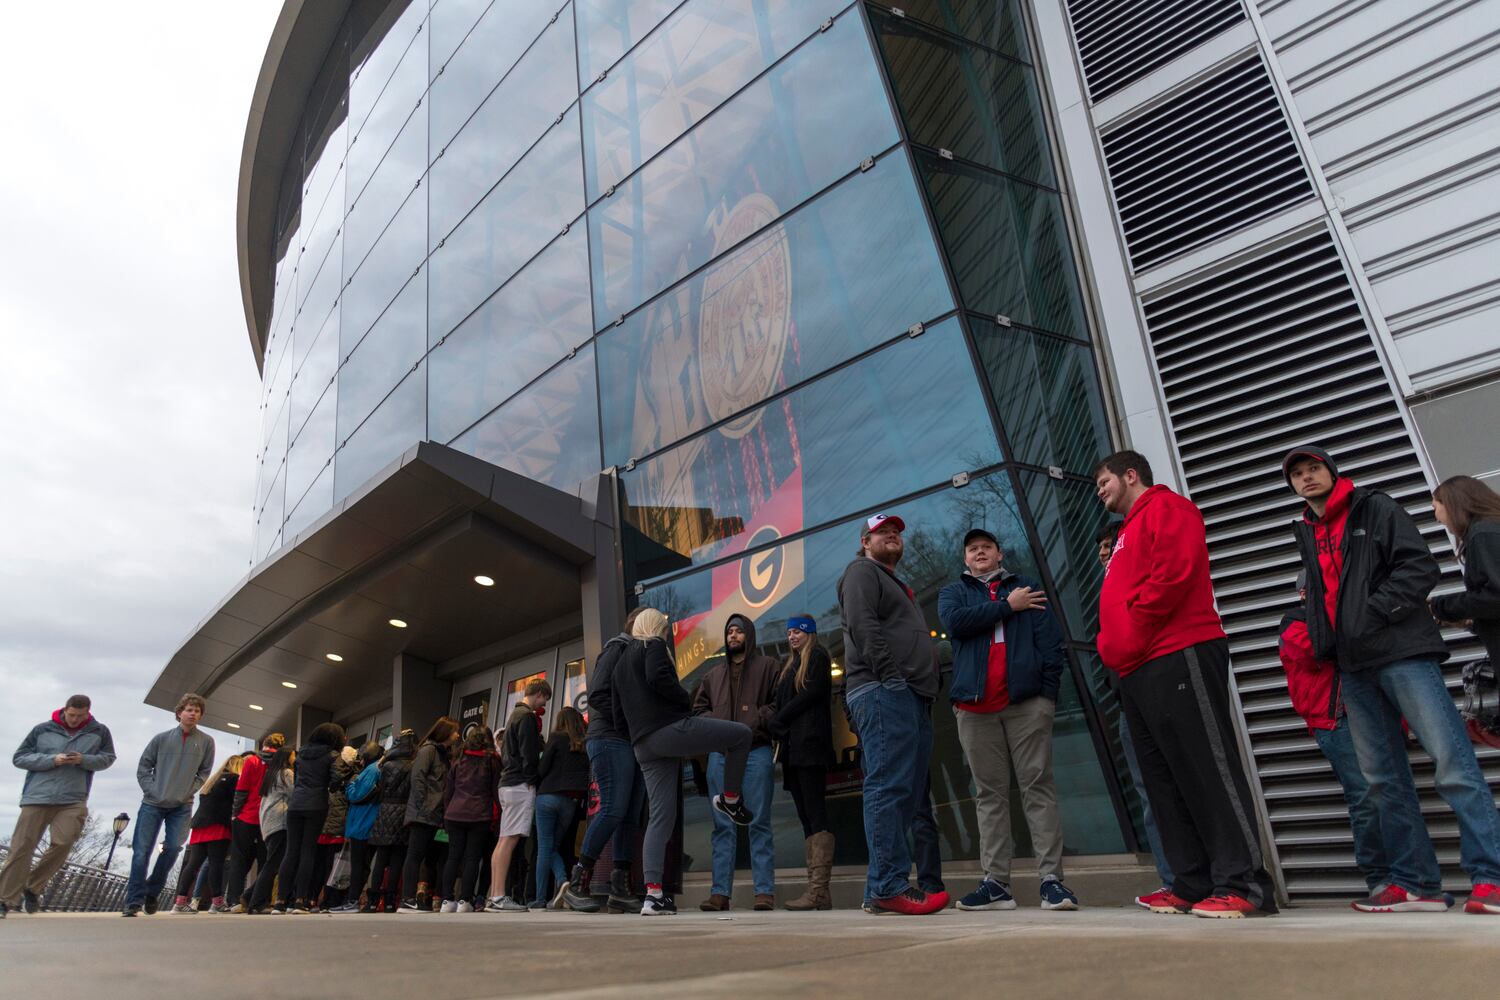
<point>1096,952</point>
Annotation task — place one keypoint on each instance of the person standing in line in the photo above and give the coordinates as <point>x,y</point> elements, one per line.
<point>469,804</point>
<point>1313,686</point>
<point>208,843</point>
<point>621,789</point>
<point>562,784</point>
<point>314,777</point>
<point>1369,575</point>
<point>331,837</point>
<point>891,679</point>
<point>172,768</point>
<point>742,689</point>
<point>388,835</point>
<point>1470,511</point>
<point>59,757</point>
<point>247,845</point>
<point>424,808</point>
<point>1160,632</point>
<point>803,728</point>
<point>363,798</point>
<point>1007,663</point>
<point>520,760</point>
<point>664,730</point>
<point>275,793</point>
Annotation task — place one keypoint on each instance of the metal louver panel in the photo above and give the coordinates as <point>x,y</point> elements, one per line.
<point>1264,355</point>
<point>1212,159</point>
<point>1120,41</point>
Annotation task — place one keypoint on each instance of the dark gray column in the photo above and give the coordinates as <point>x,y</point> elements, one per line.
<point>308,719</point>
<point>418,695</point>
<point>601,582</point>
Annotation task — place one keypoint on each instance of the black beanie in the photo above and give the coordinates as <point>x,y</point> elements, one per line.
<point>1307,451</point>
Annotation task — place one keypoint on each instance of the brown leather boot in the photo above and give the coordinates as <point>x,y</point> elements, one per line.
<point>714,902</point>
<point>819,870</point>
<point>764,901</point>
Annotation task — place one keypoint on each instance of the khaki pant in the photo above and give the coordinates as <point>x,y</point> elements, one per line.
<point>1020,736</point>
<point>63,823</point>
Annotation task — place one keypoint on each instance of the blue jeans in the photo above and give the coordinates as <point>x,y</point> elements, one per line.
<point>1376,701</point>
<point>758,788</point>
<point>1364,809</point>
<point>895,736</point>
<point>622,794</point>
<point>149,821</point>
<point>1153,836</point>
<point>553,814</point>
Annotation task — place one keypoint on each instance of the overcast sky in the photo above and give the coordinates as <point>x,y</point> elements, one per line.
<point>128,392</point>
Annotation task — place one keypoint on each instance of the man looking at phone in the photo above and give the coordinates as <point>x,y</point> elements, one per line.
<point>59,757</point>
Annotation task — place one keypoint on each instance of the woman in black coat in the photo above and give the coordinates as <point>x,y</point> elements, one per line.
<point>803,728</point>
<point>313,778</point>
<point>388,835</point>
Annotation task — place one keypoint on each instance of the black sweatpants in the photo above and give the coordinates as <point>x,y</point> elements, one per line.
<point>809,788</point>
<point>298,868</point>
<point>1177,707</point>
<point>419,848</point>
<point>385,874</point>
<point>466,844</point>
<point>210,852</point>
<point>360,852</point>
<point>246,848</point>
<point>260,894</point>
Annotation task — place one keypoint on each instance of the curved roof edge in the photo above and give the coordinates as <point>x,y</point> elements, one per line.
<point>304,31</point>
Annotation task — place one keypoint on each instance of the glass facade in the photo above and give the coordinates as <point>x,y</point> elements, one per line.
<point>780,263</point>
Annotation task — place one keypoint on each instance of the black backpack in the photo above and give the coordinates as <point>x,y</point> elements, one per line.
<point>1482,695</point>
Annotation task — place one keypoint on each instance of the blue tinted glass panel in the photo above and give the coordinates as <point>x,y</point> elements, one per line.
<point>520,332</point>
<point>843,273</point>
<point>268,523</point>
<point>321,299</point>
<point>316,502</point>
<point>1068,519</point>
<point>522,215</point>
<point>276,397</point>
<point>394,180</point>
<point>524,107</point>
<point>507,29</point>
<point>399,423</point>
<point>450,21</point>
<point>805,458</point>
<point>312,450</point>
<point>315,372</point>
<point>996,24</point>
<point>607,29</point>
<point>549,433</point>
<point>395,343</point>
<point>375,57</point>
<point>367,147</point>
<point>385,271</point>
<point>324,205</point>
<point>700,55</point>
<point>797,129</point>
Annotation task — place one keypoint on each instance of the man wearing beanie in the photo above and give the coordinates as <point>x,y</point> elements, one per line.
<point>1369,573</point>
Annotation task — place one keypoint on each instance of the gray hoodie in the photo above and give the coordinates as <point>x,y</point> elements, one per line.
<point>51,784</point>
<point>886,638</point>
<point>174,766</point>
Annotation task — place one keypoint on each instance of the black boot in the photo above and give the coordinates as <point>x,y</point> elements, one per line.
<point>577,895</point>
<point>621,898</point>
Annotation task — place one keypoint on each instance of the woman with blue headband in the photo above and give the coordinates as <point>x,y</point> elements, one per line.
<point>803,726</point>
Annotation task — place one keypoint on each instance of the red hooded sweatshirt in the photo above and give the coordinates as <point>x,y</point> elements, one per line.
<point>1313,684</point>
<point>1328,532</point>
<point>1157,598</point>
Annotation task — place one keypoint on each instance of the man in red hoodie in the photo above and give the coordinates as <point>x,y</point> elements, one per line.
<point>1160,632</point>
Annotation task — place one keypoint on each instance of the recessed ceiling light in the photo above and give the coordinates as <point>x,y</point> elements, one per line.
<point>234,725</point>
<point>485,581</point>
<point>336,658</point>
<point>257,708</point>
<point>287,684</point>
<point>397,623</point>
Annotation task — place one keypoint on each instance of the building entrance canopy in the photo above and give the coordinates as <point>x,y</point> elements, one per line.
<point>438,556</point>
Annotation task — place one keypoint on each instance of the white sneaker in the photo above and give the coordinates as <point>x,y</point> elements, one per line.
<point>464,907</point>
<point>509,905</point>
<point>449,906</point>
<point>494,904</point>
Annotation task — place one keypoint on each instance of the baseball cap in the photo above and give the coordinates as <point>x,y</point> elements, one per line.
<point>874,523</point>
<point>980,533</point>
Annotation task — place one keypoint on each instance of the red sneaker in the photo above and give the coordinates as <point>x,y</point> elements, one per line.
<point>1227,906</point>
<point>1484,899</point>
<point>1145,901</point>
<point>1395,899</point>
<point>912,902</point>
<point>1167,901</point>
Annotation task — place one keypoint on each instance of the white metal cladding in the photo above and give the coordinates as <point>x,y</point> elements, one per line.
<point>1120,41</point>
<point>1207,161</point>
<point>1268,352</point>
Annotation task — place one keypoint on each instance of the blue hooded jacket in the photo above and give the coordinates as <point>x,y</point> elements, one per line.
<point>364,802</point>
<point>1034,654</point>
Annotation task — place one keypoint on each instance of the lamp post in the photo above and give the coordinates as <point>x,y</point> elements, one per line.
<point>120,823</point>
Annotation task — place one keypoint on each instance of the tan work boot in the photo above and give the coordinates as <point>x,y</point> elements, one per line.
<point>819,870</point>
<point>714,903</point>
<point>764,901</point>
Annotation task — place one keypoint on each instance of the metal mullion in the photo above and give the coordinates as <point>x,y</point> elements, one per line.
<point>1035,330</point>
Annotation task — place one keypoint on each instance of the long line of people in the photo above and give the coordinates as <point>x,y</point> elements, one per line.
<point>438,824</point>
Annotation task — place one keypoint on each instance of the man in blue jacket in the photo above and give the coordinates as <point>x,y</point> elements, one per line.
<point>1007,661</point>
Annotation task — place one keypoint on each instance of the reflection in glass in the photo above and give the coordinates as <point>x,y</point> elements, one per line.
<point>486,55</point>
<point>395,426</point>
<point>549,433</point>
<point>1068,518</point>
<point>542,195</point>
<point>384,271</point>
<point>1008,243</point>
<point>324,205</point>
<point>315,373</point>
<point>843,273</point>
<point>797,129</point>
<point>521,331</point>
<point>992,23</point>
<point>393,180</point>
<point>522,108</point>
<point>313,449</point>
<point>322,298</point>
<point>367,146</point>
<point>268,523</point>
<point>393,345</point>
<point>316,502</point>
<point>958,97</point>
<point>607,29</point>
<point>700,55</point>
<point>806,458</point>
<point>375,56</point>
<point>1048,396</point>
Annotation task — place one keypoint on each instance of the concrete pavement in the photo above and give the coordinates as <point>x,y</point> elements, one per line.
<point>1096,952</point>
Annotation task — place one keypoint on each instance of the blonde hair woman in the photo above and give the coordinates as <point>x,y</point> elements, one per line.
<point>209,840</point>
<point>803,728</point>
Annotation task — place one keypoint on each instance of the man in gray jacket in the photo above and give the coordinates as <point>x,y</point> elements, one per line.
<point>172,768</point>
<point>59,757</point>
<point>891,678</point>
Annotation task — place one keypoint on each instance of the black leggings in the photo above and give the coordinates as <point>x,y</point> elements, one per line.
<point>809,788</point>
<point>260,893</point>
<point>466,843</point>
<point>419,848</point>
<point>246,848</point>
<point>327,855</point>
<point>359,868</point>
<point>213,852</point>
<point>385,873</point>
<point>301,861</point>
